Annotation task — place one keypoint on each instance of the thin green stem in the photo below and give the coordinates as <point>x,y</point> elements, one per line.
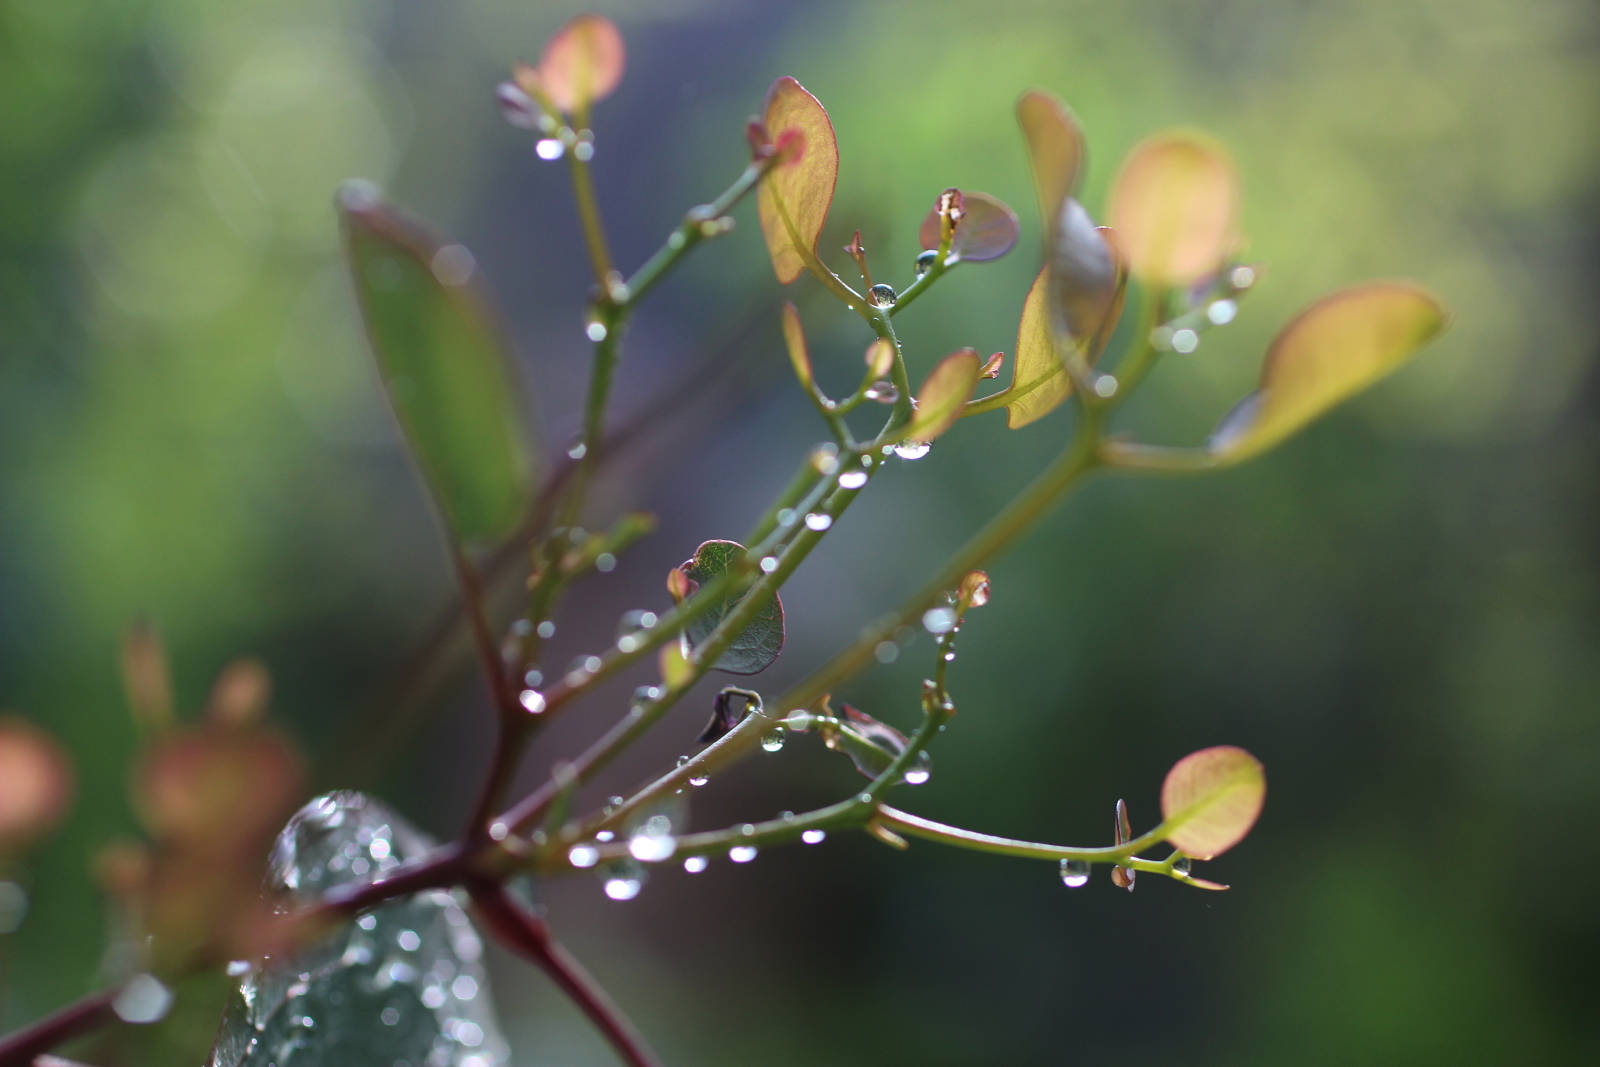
<point>594,231</point>
<point>1123,854</point>
<point>693,229</point>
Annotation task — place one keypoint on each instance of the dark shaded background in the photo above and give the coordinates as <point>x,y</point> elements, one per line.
<point>1396,611</point>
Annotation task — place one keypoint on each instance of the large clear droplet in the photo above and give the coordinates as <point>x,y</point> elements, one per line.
<point>818,521</point>
<point>912,449</point>
<point>367,994</point>
<point>772,740</point>
<point>939,620</point>
<point>623,880</point>
<point>583,855</point>
<point>742,853</point>
<point>926,260</point>
<point>919,771</point>
<point>884,392</point>
<point>852,479</point>
<point>1182,865</point>
<point>1074,873</point>
<point>652,841</point>
<point>695,864</point>
<point>814,837</point>
<point>549,148</point>
<point>882,296</point>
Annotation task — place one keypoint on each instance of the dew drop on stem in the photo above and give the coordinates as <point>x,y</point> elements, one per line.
<point>772,740</point>
<point>939,620</point>
<point>549,148</point>
<point>818,521</point>
<point>583,855</point>
<point>852,479</point>
<point>882,296</point>
<point>912,449</point>
<point>884,392</point>
<point>1181,866</point>
<point>742,853</point>
<point>813,837</point>
<point>1222,312</point>
<point>926,260</point>
<point>695,864</point>
<point>1074,873</point>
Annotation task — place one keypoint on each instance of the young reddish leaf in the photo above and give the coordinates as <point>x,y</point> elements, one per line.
<point>1039,382</point>
<point>987,230</point>
<point>214,788</point>
<point>974,591</point>
<point>582,63</point>
<point>880,358</point>
<point>754,649</point>
<point>804,185</point>
<point>1055,146</point>
<point>240,694</point>
<point>35,782</point>
<point>1211,799</point>
<point>444,364</point>
<point>991,368</point>
<point>1175,204</point>
<point>1329,352</point>
<point>794,335</point>
<point>725,715</point>
<point>943,395</point>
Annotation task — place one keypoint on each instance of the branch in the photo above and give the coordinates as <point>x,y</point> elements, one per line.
<point>92,1012</point>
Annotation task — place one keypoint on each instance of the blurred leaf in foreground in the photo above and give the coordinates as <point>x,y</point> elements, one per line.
<point>1175,205</point>
<point>1211,799</point>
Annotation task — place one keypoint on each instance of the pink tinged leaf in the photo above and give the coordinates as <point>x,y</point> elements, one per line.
<point>1176,204</point>
<point>943,395</point>
<point>794,336</point>
<point>1085,283</point>
<point>755,648</point>
<point>880,358</point>
<point>801,187</point>
<point>1328,353</point>
<point>1055,148</point>
<point>517,107</point>
<point>36,782</point>
<point>583,62</point>
<point>987,230</point>
<point>1211,799</point>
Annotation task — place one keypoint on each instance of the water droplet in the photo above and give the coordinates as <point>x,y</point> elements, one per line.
<point>368,922</point>
<point>143,1000</point>
<point>852,479</point>
<point>583,856</point>
<point>499,831</point>
<point>1182,865</point>
<point>634,621</point>
<point>453,265</point>
<point>742,853</point>
<point>912,449</point>
<point>532,701</point>
<point>949,657</point>
<point>1105,385</point>
<point>623,887</point>
<point>697,782</point>
<point>654,841</point>
<point>772,740</point>
<point>695,864</point>
<point>769,564</point>
<point>786,516</point>
<point>920,771</point>
<point>389,1016</point>
<point>596,331</point>
<point>1242,277</point>
<point>583,151</point>
<point>578,451</point>
<point>1222,312</point>
<point>1074,873</point>
<point>547,629</point>
<point>886,651</point>
<point>549,148</point>
<point>1185,341</point>
<point>408,940</point>
<point>605,563</point>
<point>939,620</point>
<point>926,260</point>
<point>814,837</point>
<point>882,296</point>
<point>825,458</point>
<point>818,521</point>
<point>884,392</point>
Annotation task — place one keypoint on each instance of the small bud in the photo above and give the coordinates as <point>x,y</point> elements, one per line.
<point>887,836</point>
<point>974,590</point>
<point>991,369</point>
<point>680,585</point>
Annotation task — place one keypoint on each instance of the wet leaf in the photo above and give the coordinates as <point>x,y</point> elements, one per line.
<point>403,984</point>
<point>1055,147</point>
<point>794,336</point>
<point>727,711</point>
<point>582,63</point>
<point>1211,799</point>
<point>36,782</point>
<point>805,184</point>
<point>1331,351</point>
<point>943,395</point>
<point>444,365</point>
<point>753,650</point>
<point>1039,382</point>
<point>1175,204</point>
<point>1085,281</point>
<point>871,745</point>
<point>988,229</point>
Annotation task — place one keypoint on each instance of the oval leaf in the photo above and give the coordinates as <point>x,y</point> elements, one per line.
<point>753,650</point>
<point>1055,147</point>
<point>1211,799</point>
<point>1039,382</point>
<point>943,395</point>
<point>794,336</point>
<point>1085,280</point>
<point>1175,204</point>
<point>987,230</point>
<point>1331,351</point>
<point>804,185</point>
<point>871,745</point>
<point>582,63</point>
<point>35,782</point>
<point>444,365</point>
<point>210,787</point>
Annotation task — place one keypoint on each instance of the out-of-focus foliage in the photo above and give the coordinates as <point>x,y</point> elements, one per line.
<point>1397,611</point>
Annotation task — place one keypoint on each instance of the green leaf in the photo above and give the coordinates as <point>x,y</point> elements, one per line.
<point>1055,147</point>
<point>1039,382</point>
<point>871,745</point>
<point>1331,351</point>
<point>794,336</point>
<point>1211,799</point>
<point>804,183</point>
<point>1175,207</point>
<point>444,365</point>
<point>987,229</point>
<point>759,644</point>
<point>943,395</point>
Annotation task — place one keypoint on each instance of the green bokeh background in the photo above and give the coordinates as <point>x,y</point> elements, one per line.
<point>1396,611</point>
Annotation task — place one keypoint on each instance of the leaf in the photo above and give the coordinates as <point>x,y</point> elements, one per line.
<point>1055,146</point>
<point>582,63</point>
<point>880,358</point>
<point>724,716</point>
<point>794,335</point>
<point>988,229</point>
<point>871,745</point>
<point>943,395</point>
<point>1085,281</point>
<point>404,984</point>
<point>36,782</point>
<point>675,669</point>
<point>1039,382</point>
<point>240,695</point>
<point>1329,352</point>
<point>804,184</point>
<point>444,365</point>
<point>1211,799</point>
<point>754,649</point>
<point>214,787</point>
<point>1175,204</point>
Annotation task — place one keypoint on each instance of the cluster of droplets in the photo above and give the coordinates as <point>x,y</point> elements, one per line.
<point>1217,304</point>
